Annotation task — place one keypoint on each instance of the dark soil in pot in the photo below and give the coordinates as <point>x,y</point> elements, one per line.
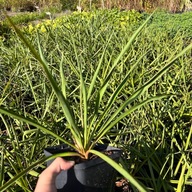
<point>93,175</point>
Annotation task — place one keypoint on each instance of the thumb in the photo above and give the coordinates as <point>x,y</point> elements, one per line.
<point>60,164</point>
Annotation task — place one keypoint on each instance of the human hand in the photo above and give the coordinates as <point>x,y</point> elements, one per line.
<point>46,181</point>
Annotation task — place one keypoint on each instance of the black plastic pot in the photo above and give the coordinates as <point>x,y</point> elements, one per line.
<point>90,176</point>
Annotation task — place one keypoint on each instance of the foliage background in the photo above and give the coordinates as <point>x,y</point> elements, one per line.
<point>154,139</point>
<point>142,5</point>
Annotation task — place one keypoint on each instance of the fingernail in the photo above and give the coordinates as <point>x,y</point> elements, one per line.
<point>72,162</point>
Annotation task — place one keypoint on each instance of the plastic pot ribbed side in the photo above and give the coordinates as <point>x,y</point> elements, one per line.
<point>91,176</point>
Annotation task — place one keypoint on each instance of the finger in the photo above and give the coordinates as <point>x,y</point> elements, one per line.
<point>60,164</point>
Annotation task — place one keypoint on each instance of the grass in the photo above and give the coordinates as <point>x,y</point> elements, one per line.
<point>156,139</point>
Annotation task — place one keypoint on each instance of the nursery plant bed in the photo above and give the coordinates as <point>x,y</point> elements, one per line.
<point>93,175</point>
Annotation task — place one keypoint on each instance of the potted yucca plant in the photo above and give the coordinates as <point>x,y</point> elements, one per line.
<point>93,123</point>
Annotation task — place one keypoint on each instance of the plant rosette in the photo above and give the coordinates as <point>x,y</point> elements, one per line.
<point>93,175</point>
<point>94,120</point>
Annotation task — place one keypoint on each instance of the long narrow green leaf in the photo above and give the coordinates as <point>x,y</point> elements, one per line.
<point>124,50</point>
<point>3,96</point>
<point>50,101</point>
<point>182,158</point>
<point>62,76</point>
<point>83,97</point>
<point>107,126</point>
<point>180,184</point>
<point>18,182</point>
<point>34,123</point>
<point>65,106</point>
<point>151,170</point>
<point>141,90</point>
<point>21,181</point>
<point>32,89</point>
<point>98,68</point>
<point>113,97</point>
<point>121,170</point>
<point>72,66</point>
<point>64,103</point>
<point>2,167</point>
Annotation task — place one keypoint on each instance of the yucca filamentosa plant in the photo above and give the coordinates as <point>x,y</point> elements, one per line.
<point>89,122</point>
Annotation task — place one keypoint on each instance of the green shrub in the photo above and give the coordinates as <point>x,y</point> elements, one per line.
<point>173,23</point>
